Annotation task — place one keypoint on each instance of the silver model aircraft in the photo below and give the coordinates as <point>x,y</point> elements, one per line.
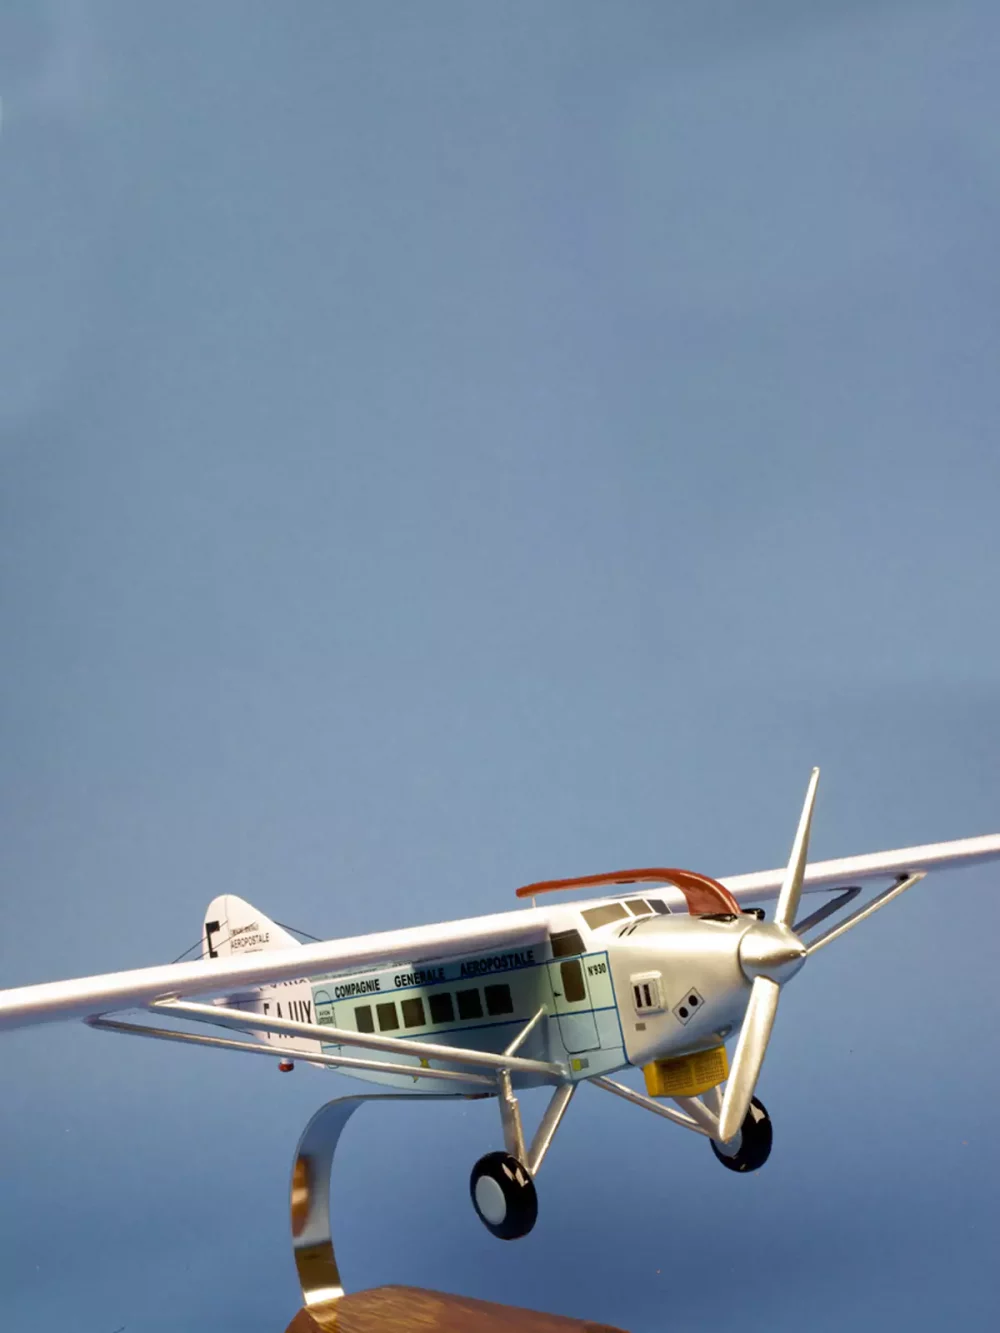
<point>658,978</point>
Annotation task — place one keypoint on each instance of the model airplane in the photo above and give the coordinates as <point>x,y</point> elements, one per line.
<point>657,978</point>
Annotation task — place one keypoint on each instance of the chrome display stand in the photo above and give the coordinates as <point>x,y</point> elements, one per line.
<point>326,1307</point>
<point>312,1231</point>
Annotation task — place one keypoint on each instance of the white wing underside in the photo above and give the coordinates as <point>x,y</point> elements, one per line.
<point>88,996</point>
<point>125,990</point>
<point>763,885</point>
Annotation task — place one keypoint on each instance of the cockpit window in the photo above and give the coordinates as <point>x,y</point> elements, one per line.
<point>566,943</point>
<point>638,906</point>
<point>600,916</point>
<point>574,986</point>
<point>658,905</point>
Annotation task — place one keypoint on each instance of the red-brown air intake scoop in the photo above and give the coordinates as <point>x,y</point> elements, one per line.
<point>703,894</point>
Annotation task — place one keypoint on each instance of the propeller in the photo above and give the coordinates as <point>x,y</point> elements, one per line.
<point>770,954</point>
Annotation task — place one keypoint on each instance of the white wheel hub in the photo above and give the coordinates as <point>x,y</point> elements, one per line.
<point>731,1149</point>
<point>490,1200</point>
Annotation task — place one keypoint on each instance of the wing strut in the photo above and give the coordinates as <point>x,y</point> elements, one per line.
<point>827,910</point>
<point>346,1062</point>
<point>869,909</point>
<point>329,1036</point>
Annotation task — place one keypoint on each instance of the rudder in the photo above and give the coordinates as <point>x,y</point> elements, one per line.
<point>233,926</point>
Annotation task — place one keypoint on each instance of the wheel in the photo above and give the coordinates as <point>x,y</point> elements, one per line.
<point>503,1195</point>
<point>751,1147</point>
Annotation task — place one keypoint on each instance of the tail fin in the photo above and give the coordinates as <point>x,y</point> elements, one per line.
<point>233,927</point>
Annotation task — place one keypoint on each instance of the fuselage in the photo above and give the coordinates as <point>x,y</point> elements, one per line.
<point>619,982</point>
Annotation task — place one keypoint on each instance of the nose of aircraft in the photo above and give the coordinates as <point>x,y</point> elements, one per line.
<point>773,951</point>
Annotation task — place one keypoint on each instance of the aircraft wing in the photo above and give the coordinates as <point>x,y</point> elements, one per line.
<point>764,885</point>
<point>85,997</point>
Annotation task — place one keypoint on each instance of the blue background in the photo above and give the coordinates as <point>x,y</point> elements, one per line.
<point>450,445</point>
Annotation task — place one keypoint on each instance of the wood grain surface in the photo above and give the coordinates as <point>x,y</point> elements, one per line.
<point>414,1310</point>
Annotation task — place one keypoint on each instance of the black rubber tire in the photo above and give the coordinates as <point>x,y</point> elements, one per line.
<point>755,1141</point>
<point>503,1195</point>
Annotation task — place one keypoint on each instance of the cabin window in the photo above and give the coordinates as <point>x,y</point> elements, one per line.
<point>600,916</point>
<point>413,1013</point>
<point>470,1004</point>
<point>498,999</point>
<point>388,1019</point>
<point>658,905</point>
<point>638,906</point>
<point>363,1020</point>
<point>646,992</point>
<point>442,1009</point>
<point>573,984</point>
<point>566,943</point>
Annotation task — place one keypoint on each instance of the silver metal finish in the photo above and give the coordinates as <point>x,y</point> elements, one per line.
<point>827,909</point>
<point>525,1033</point>
<point>863,913</point>
<point>750,1051</point>
<point>791,887</point>
<point>286,1053</point>
<point>510,1118</point>
<point>713,1100</point>
<point>550,1122</point>
<point>771,951</point>
<point>692,955</point>
<point>456,1055</point>
<point>700,1114</point>
<point>312,1238</point>
<point>769,955</point>
<point>640,1099</point>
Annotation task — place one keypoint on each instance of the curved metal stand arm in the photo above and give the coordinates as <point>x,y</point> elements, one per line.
<point>312,1236</point>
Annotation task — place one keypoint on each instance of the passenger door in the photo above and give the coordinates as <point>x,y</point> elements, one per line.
<point>573,1005</point>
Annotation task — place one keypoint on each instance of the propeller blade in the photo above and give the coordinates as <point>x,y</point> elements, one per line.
<point>791,887</point>
<point>750,1051</point>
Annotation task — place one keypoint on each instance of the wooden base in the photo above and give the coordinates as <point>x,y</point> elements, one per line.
<point>414,1310</point>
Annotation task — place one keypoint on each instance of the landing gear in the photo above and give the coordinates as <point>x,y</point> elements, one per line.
<point>503,1195</point>
<point>751,1147</point>
<point>502,1184</point>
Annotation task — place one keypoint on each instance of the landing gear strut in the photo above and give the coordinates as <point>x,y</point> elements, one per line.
<point>502,1183</point>
<point>751,1147</point>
